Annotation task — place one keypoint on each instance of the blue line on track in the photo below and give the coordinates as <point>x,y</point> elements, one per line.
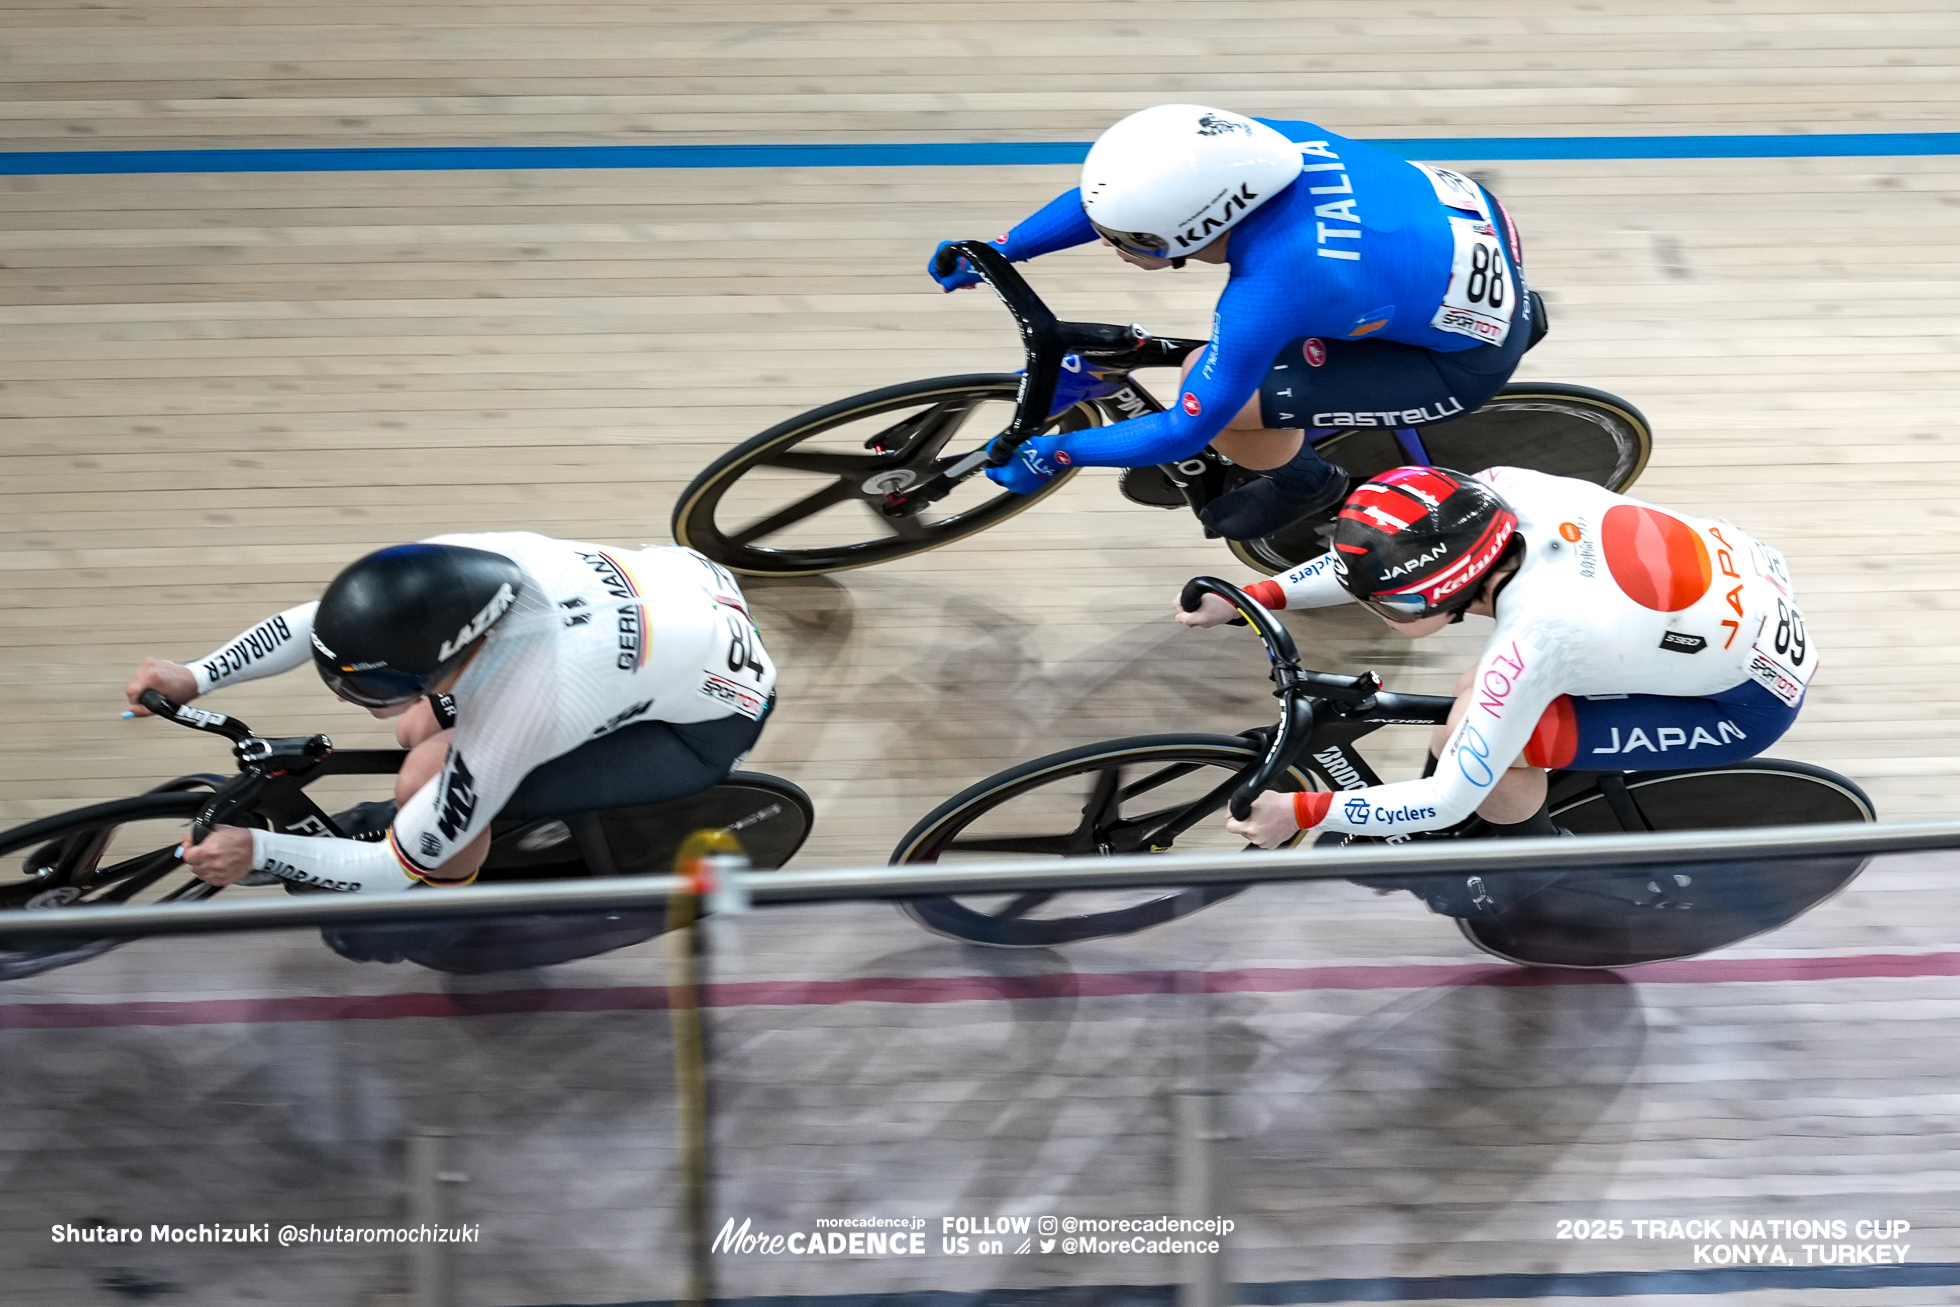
<point>1432,1288</point>
<point>950,154</point>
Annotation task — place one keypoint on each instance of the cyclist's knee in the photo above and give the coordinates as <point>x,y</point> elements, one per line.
<point>421,766</point>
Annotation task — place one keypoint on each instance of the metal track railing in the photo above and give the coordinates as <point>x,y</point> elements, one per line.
<point>1000,877</point>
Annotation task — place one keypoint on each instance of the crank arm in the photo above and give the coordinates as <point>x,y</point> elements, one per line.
<point>939,485</point>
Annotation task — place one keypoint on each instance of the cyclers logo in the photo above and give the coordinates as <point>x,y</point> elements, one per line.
<point>1356,811</point>
<point>477,625</point>
<point>458,801</point>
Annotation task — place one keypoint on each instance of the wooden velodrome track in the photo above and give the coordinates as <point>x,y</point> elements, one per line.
<point>216,389</point>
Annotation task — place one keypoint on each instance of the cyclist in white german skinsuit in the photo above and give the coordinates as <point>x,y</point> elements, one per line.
<point>499,652</point>
<point>1628,638</point>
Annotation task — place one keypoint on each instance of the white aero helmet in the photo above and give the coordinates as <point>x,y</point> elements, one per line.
<point>1170,180</point>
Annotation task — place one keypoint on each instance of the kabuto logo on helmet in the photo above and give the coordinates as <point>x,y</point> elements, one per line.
<point>477,625</point>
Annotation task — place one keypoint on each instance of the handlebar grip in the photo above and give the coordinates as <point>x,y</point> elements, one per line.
<point>156,703</point>
<point>945,259</point>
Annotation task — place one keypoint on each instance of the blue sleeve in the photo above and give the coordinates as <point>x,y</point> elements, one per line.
<point>1248,331</point>
<point>1058,225</point>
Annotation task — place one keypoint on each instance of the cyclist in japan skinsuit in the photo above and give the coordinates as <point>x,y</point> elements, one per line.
<point>1628,639</point>
<point>1365,291</point>
<point>497,653</point>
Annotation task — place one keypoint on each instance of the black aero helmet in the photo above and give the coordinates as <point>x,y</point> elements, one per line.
<point>1417,541</point>
<point>395,623</point>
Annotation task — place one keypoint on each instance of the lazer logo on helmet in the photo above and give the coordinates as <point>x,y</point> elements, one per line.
<point>476,626</point>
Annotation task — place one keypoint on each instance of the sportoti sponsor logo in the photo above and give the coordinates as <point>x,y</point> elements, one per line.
<point>477,625</point>
<point>457,801</point>
<point>256,644</point>
<point>1339,769</point>
<point>1682,642</point>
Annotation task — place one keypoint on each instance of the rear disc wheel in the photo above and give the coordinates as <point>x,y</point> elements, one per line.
<point>1628,916</point>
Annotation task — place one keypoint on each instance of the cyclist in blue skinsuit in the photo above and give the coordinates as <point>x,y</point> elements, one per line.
<point>1365,291</point>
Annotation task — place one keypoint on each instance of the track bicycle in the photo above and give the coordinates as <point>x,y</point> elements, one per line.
<point>1153,793</point>
<point>125,851</point>
<point>897,471</point>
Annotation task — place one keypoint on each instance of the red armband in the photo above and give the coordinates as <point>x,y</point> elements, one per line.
<point>1268,593</point>
<point>1310,806</point>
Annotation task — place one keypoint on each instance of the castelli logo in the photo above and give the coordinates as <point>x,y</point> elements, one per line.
<point>1001,239</point>
<point>1571,531</point>
<point>1315,352</point>
<point>1061,456</point>
<point>1191,404</point>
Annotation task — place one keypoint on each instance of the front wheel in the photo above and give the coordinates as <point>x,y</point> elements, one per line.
<point>1626,916</point>
<point>119,852</point>
<point>1567,431</point>
<point>1145,794</point>
<point>807,495</point>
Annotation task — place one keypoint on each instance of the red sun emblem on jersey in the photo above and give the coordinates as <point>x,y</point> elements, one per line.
<point>1657,559</point>
<point>1191,404</point>
<point>1315,352</point>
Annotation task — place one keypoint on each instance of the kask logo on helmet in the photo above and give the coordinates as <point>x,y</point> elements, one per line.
<point>1197,233</point>
<point>1212,124</point>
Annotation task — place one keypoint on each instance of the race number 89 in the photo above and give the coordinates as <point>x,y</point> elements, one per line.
<point>1789,633</point>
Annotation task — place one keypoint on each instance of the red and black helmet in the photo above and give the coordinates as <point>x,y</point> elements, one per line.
<point>1416,541</point>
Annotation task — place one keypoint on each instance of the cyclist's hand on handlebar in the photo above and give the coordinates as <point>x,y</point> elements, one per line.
<point>1032,467</point>
<point>225,857</point>
<point>1213,610</point>
<point>1271,823</point>
<point>958,277</point>
<point>172,680</point>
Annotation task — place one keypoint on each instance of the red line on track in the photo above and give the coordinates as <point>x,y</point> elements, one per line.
<point>953,989</point>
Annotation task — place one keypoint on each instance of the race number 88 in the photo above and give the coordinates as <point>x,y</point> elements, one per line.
<point>1485,283</point>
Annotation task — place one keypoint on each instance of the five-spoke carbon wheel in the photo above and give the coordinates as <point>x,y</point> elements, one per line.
<point>808,496</point>
<point>1145,794</point>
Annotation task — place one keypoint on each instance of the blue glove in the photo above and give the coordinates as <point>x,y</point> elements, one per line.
<point>959,278</point>
<point>1033,466</point>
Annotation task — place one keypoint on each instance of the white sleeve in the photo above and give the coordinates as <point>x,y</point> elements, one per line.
<point>1514,684</point>
<point>278,644</point>
<point>1314,584</point>
<point>346,865</point>
<point>508,723</point>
